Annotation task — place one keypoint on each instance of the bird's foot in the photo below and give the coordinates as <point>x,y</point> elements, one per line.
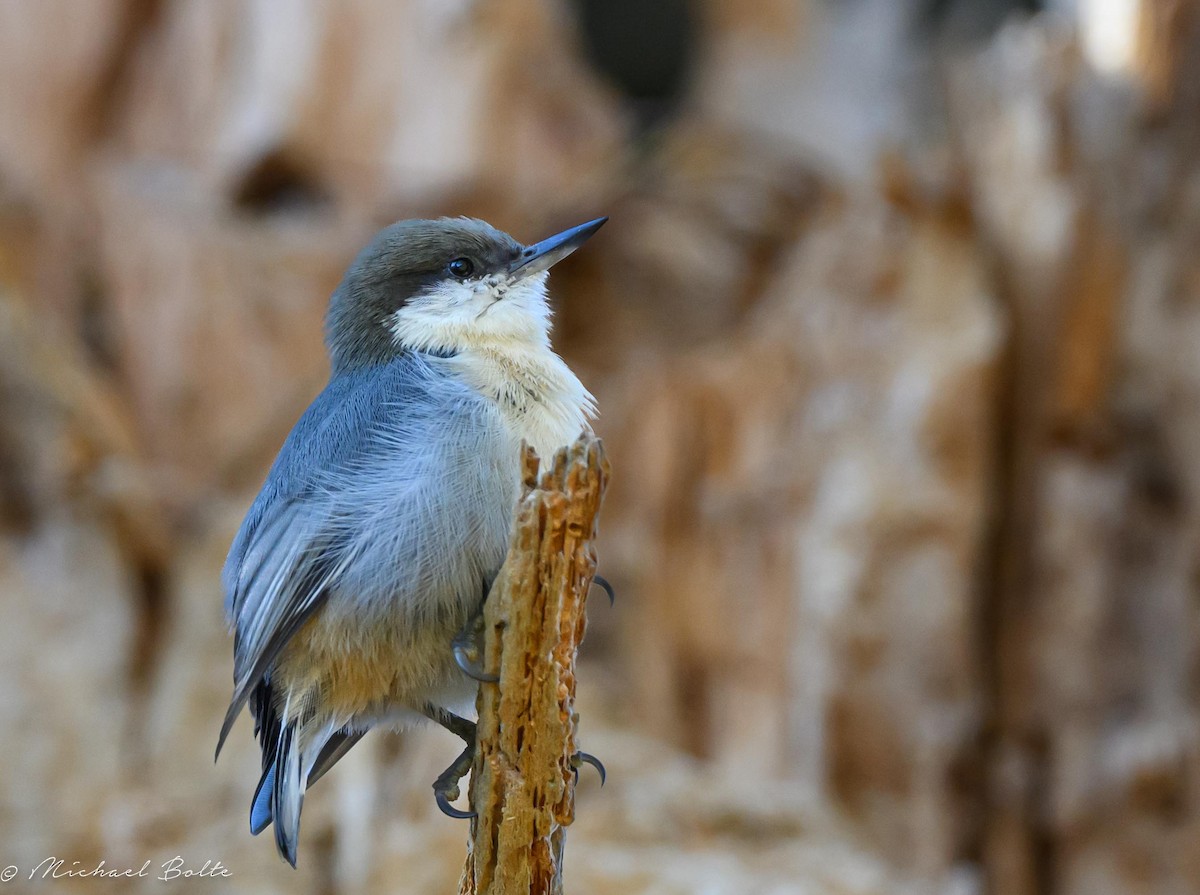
<point>445,787</point>
<point>603,584</point>
<point>468,649</point>
<point>579,759</point>
<point>460,727</point>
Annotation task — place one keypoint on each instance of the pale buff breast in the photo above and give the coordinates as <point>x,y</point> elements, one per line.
<point>355,670</point>
<point>541,400</point>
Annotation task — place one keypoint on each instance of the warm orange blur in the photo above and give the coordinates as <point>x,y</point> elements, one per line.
<point>893,336</point>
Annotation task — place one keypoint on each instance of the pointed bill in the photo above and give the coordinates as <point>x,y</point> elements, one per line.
<point>545,254</point>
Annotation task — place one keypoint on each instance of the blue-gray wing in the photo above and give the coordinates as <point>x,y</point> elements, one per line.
<point>401,449</point>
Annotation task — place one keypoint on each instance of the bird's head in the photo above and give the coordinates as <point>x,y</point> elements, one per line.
<point>444,286</point>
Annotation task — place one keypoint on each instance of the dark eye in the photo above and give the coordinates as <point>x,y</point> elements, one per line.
<point>461,267</point>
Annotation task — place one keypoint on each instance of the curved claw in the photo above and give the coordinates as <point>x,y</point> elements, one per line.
<point>472,669</point>
<point>603,584</point>
<point>449,810</point>
<point>582,758</point>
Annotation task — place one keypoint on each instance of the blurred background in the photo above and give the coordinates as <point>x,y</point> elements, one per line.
<point>895,331</point>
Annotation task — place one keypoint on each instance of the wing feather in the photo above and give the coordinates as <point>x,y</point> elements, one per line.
<point>395,482</point>
<point>285,581</point>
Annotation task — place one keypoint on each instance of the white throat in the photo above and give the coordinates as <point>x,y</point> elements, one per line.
<point>497,338</point>
<point>542,401</point>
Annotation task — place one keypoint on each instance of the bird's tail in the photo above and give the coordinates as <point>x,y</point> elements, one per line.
<point>280,794</point>
<point>296,753</point>
<point>260,805</point>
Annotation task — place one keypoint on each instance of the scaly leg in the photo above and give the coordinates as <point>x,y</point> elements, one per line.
<point>445,787</point>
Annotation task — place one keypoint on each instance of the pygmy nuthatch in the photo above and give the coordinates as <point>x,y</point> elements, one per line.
<point>386,515</point>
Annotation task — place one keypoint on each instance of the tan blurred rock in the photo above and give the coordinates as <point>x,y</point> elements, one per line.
<point>217,320</point>
<point>374,100</point>
<point>846,432</point>
<point>696,241</point>
<point>48,112</point>
<point>1092,756</point>
<point>66,652</point>
<point>904,511</point>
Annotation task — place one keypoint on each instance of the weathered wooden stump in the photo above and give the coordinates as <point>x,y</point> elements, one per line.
<point>522,781</point>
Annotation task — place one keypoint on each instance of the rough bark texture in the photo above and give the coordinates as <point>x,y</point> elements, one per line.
<point>522,783</point>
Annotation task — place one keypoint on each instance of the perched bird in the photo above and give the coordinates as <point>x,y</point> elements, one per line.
<point>361,568</point>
